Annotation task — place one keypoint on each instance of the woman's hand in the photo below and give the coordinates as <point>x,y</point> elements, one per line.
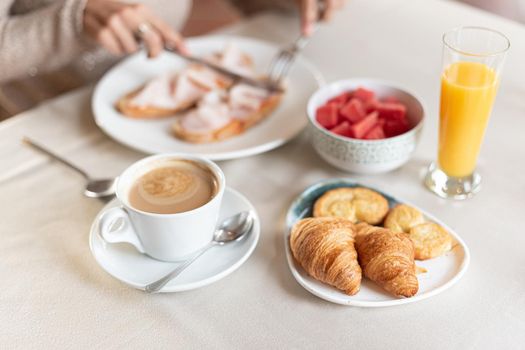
<point>313,10</point>
<point>117,26</point>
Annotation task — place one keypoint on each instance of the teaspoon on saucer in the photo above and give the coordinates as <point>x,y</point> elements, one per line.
<point>230,230</point>
<point>95,188</point>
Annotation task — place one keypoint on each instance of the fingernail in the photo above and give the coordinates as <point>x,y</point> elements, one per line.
<point>308,29</point>
<point>184,49</point>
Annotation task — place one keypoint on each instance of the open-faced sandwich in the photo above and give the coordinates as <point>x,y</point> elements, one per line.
<point>209,106</point>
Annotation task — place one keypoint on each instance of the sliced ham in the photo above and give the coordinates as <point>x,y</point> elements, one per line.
<point>207,78</point>
<point>233,59</point>
<point>244,100</point>
<point>211,114</point>
<point>186,91</point>
<point>157,92</point>
<point>169,92</point>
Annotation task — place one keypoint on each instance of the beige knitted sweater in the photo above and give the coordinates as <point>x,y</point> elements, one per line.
<point>42,35</point>
<point>39,35</point>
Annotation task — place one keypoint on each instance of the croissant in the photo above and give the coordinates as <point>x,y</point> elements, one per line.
<point>325,249</point>
<point>387,258</point>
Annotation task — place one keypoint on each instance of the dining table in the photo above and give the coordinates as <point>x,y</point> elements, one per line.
<point>54,295</point>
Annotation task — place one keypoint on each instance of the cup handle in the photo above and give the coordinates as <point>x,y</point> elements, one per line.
<point>122,234</point>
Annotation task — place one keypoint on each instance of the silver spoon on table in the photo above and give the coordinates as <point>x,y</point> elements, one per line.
<point>230,230</point>
<point>95,188</point>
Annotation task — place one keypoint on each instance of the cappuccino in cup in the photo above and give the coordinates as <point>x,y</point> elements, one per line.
<point>169,205</point>
<point>175,186</point>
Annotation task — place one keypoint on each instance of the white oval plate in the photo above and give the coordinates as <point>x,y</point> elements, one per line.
<point>125,263</point>
<point>442,272</point>
<point>154,136</point>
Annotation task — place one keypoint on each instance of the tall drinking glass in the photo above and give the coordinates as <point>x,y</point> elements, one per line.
<point>472,62</point>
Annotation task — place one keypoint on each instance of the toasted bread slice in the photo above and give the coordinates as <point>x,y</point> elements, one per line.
<point>125,106</point>
<point>195,80</point>
<point>235,127</point>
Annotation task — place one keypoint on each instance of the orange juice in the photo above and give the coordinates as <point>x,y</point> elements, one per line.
<point>468,90</point>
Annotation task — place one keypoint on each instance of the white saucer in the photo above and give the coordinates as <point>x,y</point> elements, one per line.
<point>126,264</point>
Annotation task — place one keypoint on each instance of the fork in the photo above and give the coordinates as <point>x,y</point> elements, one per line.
<point>282,62</point>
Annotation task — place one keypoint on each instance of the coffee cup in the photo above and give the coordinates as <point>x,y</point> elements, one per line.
<point>169,206</point>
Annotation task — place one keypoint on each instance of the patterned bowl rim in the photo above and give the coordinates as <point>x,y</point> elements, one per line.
<point>414,130</point>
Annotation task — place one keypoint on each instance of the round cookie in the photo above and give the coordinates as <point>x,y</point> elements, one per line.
<point>430,240</point>
<point>403,217</point>
<point>355,204</point>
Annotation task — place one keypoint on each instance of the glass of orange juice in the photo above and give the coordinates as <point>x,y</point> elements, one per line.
<point>472,61</point>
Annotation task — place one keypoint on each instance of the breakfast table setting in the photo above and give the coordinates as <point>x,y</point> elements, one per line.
<point>229,268</point>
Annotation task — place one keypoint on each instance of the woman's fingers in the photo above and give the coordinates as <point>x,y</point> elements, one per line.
<point>170,36</point>
<point>313,10</point>
<point>309,13</point>
<point>121,26</point>
<point>329,7</point>
<point>339,4</point>
<point>154,43</point>
<point>103,35</point>
<point>123,33</point>
<point>138,24</point>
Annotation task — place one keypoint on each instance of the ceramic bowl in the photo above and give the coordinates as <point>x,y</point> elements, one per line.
<point>366,156</point>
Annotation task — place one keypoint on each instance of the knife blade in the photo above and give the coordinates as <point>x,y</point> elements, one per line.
<point>263,84</point>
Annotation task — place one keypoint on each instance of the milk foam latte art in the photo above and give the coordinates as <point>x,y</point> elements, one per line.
<point>173,186</point>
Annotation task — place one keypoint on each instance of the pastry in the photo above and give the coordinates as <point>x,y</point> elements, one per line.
<point>387,258</point>
<point>355,204</point>
<point>364,229</point>
<point>402,218</point>
<point>430,240</point>
<point>324,247</point>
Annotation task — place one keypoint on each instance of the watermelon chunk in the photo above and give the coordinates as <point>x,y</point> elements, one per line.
<point>376,132</point>
<point>390,99</point>
<point>371,105</point>
<point>327,115</point>
<point>353,111</point>
<point>391,110</point>
<point>394,127</point>
<point>360,129</point>
<point>364,94</point>
<point>340,99</point>
<point>343,129</point>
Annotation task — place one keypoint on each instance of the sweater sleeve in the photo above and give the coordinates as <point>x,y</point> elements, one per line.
<point>44,39</point>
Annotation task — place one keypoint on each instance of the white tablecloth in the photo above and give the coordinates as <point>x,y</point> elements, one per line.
<point>54,295</point>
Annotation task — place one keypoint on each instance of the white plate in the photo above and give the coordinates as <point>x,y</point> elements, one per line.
<point>126,264</point>
<point>443,272</point>
<point>153,136</point>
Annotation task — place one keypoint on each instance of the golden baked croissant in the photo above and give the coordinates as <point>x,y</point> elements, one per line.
<point>325,249</point>
<point>355,204</point>
<point>387,258</point>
